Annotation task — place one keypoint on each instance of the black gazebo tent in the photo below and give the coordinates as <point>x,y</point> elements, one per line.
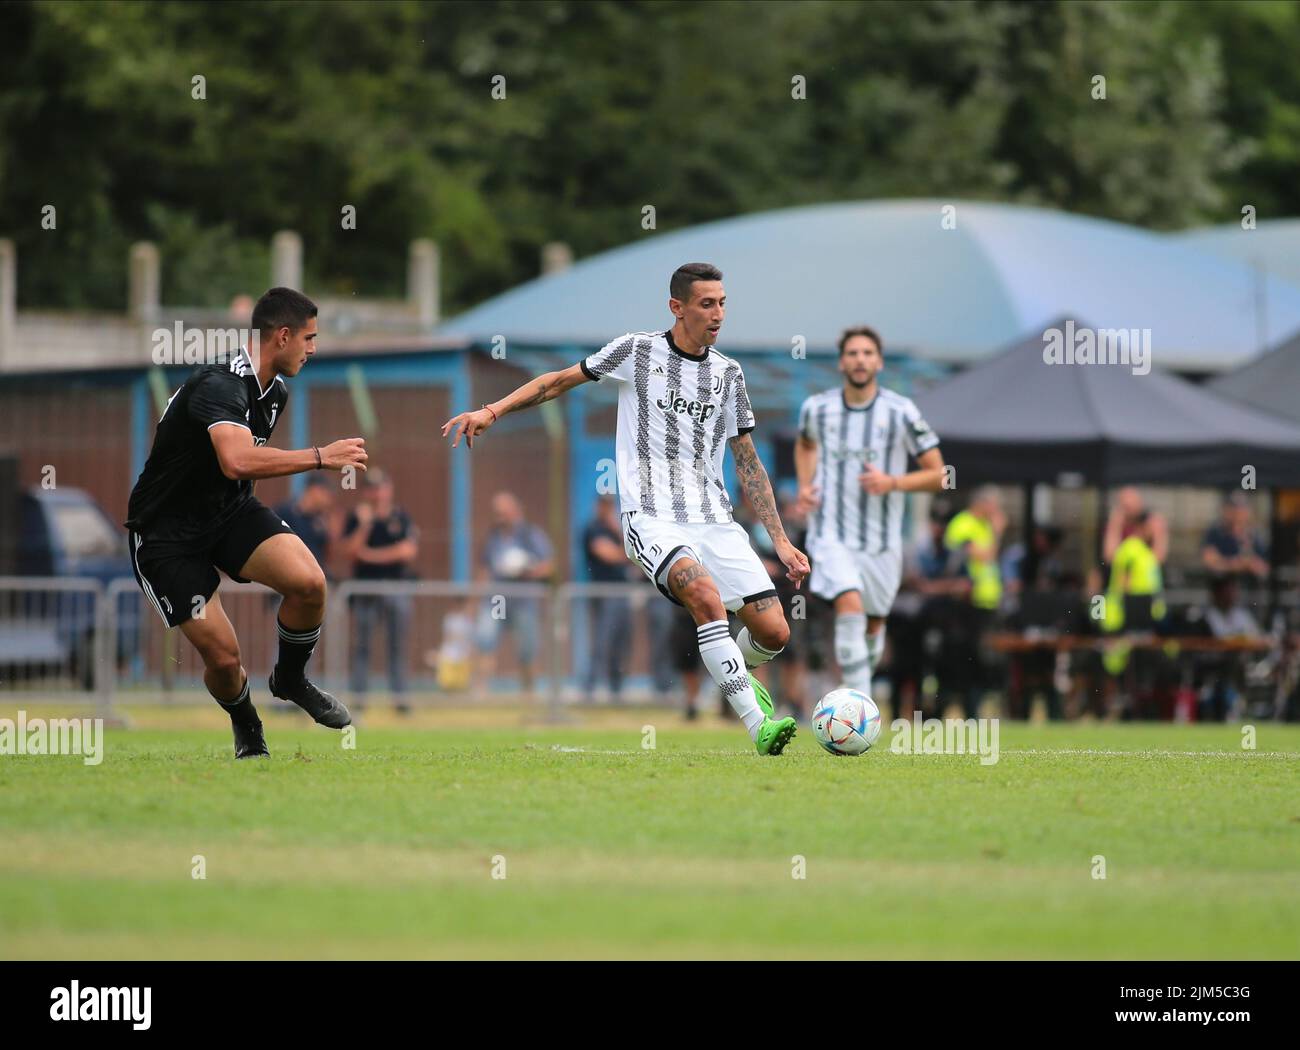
<point>1270,383</point>
<point>1017,419</point>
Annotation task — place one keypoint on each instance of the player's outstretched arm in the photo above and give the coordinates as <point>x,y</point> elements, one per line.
<point>805,469</point>
<point>758,488</point>
<point>544,388</point>
<point>242,460</point>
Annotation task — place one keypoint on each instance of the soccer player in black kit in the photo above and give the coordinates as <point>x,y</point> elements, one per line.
<point>192,512</point>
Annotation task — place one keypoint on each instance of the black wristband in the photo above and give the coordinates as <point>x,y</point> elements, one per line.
<point>318,459</point>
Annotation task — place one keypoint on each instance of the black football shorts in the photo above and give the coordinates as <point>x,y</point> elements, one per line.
<point>178,582</point>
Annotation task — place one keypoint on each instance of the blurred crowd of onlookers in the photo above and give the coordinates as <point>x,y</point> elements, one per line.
<point>1141,655</point>
<point>965,588</point>
<point>375,540</point>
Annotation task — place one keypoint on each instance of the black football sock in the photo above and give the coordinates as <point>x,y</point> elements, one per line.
<point>295,650</point>
<point>240,709</point>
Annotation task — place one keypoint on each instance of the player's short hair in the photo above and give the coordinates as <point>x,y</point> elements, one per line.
<point>861,329</point>
<point>679,286</point>
<point>282,308</point>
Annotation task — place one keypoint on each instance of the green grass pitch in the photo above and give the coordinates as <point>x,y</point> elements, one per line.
<point>684,851</point>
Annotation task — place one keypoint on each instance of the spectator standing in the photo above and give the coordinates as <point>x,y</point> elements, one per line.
<point>976,534</point>
<point>381,543</point>
<point>610,617</point>
<point>1129,516</point>
<point>515,551</point>
<point>1036,565</point>
<point>315,518</point>
<point>1232,547</point>
<point>931,602</point>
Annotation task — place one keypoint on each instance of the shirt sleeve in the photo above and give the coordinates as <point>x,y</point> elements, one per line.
<point>806,420</point>
<point>410,531</point>
<point>740,414</point>
<point>612,361</point>
<point>220,397</point>
<point>917,435</point>
<point>540,544</point>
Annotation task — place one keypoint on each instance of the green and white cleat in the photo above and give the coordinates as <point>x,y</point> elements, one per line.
<point>762,696</point>
<point>774,735</point>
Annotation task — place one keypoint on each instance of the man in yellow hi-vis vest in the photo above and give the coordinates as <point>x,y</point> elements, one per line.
<point>976,532</point>
<point>1134,570</point>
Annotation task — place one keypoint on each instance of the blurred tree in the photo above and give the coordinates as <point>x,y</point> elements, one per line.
<point>608,107</point>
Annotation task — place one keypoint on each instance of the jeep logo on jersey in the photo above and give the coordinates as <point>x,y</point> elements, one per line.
<point>864,455</point>
<point>672,401</point>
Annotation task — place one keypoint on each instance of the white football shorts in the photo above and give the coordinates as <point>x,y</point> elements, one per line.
<point>722,547</point>
<point>837,569</point>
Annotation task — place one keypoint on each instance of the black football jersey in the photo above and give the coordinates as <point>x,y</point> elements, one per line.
<point>181,497</point>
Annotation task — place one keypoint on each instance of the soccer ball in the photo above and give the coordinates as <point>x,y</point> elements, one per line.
<point>846,722</point>
<point>512,562</point>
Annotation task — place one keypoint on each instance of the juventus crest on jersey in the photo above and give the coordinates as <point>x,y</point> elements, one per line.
<point>675,410</point>
<point>881,434</point>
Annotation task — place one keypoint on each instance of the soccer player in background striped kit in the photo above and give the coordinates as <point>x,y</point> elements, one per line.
<point>851,459</point>
<point>679,399</point>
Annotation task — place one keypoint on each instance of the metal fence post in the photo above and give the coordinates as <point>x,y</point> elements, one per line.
<point>559,642</point>
<point>106,664</point>
<point>339,649</point>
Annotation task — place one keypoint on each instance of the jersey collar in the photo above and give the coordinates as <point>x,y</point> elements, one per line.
<point>252,370</point>
<point>678,350</point>
<point>859,408</point>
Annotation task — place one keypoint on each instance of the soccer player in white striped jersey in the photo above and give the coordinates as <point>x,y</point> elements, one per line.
<point>851,459</point>
<point>678,400</point>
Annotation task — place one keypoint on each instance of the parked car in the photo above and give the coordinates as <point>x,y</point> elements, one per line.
<point>63,533</point>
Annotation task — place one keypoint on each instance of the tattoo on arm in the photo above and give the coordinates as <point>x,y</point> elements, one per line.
<point>541,392</point>
<point>754,480</point>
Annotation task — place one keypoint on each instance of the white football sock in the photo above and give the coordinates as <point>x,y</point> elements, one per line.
<point>754,653</point>
<point>722,656</point>
<point>876,648</point>
<point>851,651</point>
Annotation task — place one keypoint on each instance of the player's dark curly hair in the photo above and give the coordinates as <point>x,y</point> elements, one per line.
<point>679,287</point>
<point>281,308</point>
<point>861,329</point>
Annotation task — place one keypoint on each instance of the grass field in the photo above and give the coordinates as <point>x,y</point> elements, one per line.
<point>683,851</point>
